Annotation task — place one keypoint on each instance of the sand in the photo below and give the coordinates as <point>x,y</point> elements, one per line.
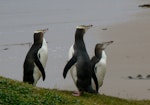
<point>128,56</point>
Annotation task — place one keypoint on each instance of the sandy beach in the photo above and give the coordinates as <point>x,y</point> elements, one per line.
<point>128,56</point>
<point>122,21</point>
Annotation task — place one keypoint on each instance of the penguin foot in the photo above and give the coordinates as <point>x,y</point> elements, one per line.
<point>76,93</point>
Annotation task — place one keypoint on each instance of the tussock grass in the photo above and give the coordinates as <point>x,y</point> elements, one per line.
<point>18,93</point>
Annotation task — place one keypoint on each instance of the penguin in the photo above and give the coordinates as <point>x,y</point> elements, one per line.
<point>98,62</point>
<point>36,59</point>
<point>79,63</point>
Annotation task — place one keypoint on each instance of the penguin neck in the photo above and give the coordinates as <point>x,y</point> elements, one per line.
<point>79,34</point>
<point>44,42</point>
<point>104,57</point>
<point>79,42</point>
<point>100,54</point>
<point>38,43</point>
<point>38,38</point>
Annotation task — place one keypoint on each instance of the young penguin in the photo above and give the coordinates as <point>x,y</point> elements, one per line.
<point>98,63</point>
<point>79,63</point>
<point>36,59</point>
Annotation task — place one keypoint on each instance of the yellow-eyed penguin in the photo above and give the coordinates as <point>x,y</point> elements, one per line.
<point>79,63</point>
<point>36,59</point>
<point>99,63</point>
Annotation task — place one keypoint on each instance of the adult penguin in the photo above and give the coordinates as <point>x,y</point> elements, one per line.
<point>36,59</point>
<point>80,63</point>
<point>98,63</point>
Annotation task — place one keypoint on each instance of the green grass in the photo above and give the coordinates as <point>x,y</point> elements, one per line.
<point>18,93</point>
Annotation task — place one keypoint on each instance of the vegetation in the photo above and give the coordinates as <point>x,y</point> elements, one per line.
<point>18,93</point>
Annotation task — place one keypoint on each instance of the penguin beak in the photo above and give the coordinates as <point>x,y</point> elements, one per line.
<point>87,27</point>
<point>44,30</point>
<point>105,44</point>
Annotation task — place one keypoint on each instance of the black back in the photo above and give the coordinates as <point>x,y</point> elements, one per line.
<point>83,65</point>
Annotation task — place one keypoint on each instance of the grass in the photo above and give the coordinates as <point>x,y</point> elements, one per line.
<point>18,93</point>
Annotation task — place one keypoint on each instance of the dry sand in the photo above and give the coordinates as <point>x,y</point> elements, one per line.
<point>128,56</point>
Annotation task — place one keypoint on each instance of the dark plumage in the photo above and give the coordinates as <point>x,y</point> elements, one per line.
<point>80,59</point>
<point>36,59</point>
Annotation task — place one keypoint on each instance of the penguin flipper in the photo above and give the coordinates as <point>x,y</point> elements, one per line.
<point>71,62</point>
<point>95,80</point>
<point>39,65</point>
<point>94,60</point>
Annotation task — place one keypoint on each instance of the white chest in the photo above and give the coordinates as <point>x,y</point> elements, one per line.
<point>43,53</point>
<point>43,56</point>
<point>100,70</point>
<point>71,52</point>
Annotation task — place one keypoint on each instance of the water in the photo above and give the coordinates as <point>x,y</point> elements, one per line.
<point>19,19</point>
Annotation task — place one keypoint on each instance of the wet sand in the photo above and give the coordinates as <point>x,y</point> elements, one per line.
<point>127,56</point>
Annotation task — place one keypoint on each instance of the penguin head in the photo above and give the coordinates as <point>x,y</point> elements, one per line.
<point>38,36</point>
<point>100,47</point>
<point>103,45</point>
<point>83,28</point>
<point>80,31</point>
